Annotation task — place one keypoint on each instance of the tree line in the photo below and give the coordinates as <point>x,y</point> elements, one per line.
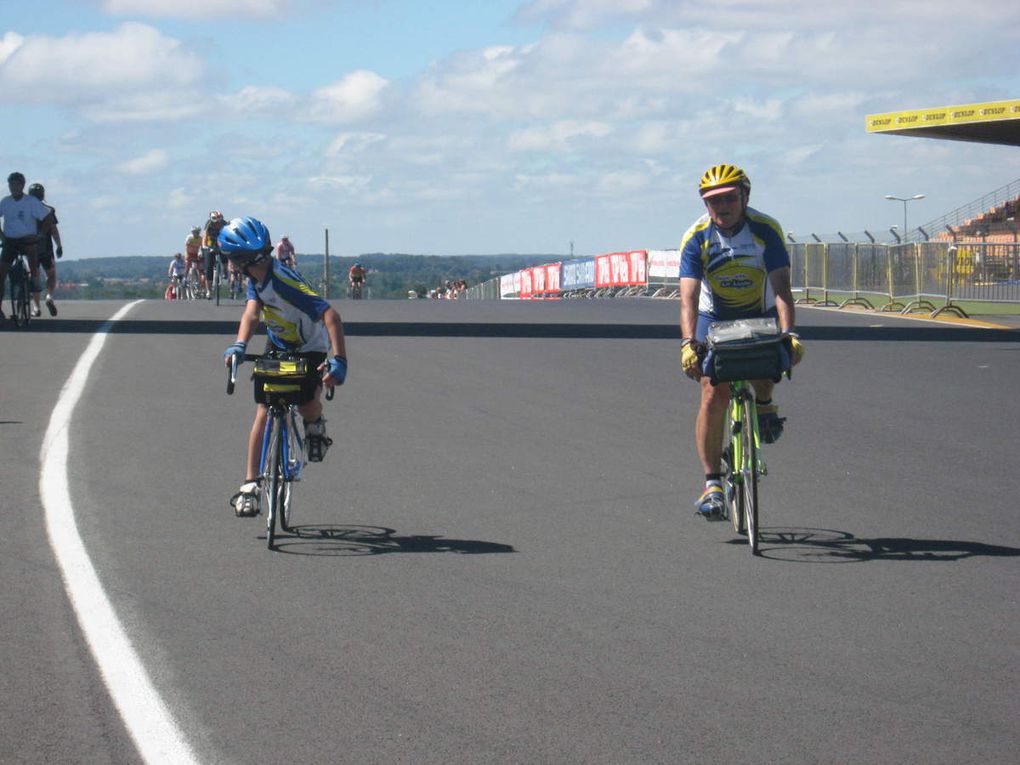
<point>390,275</point>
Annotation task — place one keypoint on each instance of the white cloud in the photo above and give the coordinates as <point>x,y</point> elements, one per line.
<point>126,72</point>
<point>353,143</point>
<point>180,199</point>
<point>9,44</point>
<point>557,136</point>
<point>583,14</point>
<point>148,163</point>
<point>267,101</point>
<point>197,9</point>
<point>357,96</point>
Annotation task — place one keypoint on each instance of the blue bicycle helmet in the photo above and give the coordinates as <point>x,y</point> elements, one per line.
<point>245,241</point>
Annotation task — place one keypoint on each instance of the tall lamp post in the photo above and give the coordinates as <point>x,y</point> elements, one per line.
<point>904,200</point>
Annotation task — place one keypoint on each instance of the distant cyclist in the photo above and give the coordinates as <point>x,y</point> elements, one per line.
<point>48,234</point>
<point>22,214</point>
<point>284,252</point>
<point>733,265</point>
<point>176,273</point>
<point>297,320</point>
<point>210,233</point>
<point>357,276</point>
<point>193,256</point>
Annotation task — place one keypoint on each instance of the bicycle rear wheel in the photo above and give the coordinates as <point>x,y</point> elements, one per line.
<point>749,472</point>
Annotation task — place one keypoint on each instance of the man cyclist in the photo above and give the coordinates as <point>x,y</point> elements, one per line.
<point>733,265</point>
<point>47,235</point>
<point>212,229</point>
<point>176,273</point>
<point>284,252</point>
<point>297,320</point>
<point>357,276</point>
<point>193,257</point>
<point>22,214</point>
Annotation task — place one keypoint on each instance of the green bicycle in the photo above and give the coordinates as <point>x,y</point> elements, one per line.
<point>739,351</point>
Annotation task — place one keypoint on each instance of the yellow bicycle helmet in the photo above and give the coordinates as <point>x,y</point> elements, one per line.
<point>721,178</point>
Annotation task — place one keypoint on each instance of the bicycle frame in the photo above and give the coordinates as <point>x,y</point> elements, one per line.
<point>283,424</point>
<point>745,462</point>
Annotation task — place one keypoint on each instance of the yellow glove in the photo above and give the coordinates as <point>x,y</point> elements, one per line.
<point>690,362</point>
<point>796,350</point>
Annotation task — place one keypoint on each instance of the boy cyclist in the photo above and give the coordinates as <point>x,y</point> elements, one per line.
<point>297,321</point>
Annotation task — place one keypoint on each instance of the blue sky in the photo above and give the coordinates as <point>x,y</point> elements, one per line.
<point>489,126</point>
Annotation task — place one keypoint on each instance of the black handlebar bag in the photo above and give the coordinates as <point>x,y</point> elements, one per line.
<point>745,349</point>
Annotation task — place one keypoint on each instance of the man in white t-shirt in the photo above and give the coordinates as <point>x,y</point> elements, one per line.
<point>22,213</point>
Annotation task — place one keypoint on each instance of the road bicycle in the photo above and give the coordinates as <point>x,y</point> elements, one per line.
<point>177,287</point>
<point>737,352</point>
<point>217,276</point>
<point>236,285</point>
<point>192,287</point>
<point>279,378</point>
<point>356,290</point>
<point>21,279</point>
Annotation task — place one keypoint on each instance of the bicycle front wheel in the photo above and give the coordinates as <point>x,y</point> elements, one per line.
<point>733,484</point>
<point>272,479</point>
<point>749,472</point>
<point>293,460</point>
<point>19,301</point>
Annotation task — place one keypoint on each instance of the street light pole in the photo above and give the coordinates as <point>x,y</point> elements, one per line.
<point>904,200</point>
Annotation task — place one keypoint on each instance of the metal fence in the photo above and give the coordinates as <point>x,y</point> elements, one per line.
<point>912,277</point>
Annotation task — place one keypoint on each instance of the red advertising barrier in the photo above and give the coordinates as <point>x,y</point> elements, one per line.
<point>621,269</point>
<point>537,281</point>
<point>525,291</point>
<point>552,279</point>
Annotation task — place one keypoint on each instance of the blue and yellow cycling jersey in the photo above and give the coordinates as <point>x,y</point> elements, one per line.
<point>291,309</point>
<point>734,269</point>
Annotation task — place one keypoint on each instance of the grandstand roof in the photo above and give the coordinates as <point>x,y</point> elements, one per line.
<point>993,122</point>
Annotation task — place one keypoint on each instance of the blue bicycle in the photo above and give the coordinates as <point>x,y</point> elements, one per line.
<point>280,378</point>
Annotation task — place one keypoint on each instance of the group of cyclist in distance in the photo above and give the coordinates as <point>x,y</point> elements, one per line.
<point>30,229</point>
<point>201,251</point>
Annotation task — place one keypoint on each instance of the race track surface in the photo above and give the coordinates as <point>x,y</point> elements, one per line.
<point>498,561</point>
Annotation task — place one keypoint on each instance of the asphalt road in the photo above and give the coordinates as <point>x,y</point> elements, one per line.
<point>498,562</point>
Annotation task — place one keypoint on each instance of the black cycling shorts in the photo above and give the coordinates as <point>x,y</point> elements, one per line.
<point>22,245</point>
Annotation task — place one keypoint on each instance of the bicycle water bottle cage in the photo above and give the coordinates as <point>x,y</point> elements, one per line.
<point>745,349</point>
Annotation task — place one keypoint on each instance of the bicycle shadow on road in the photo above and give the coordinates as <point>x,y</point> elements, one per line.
<point>347,540</point>
<point>806,545</point>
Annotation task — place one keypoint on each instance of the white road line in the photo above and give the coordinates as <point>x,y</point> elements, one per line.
<point>145,714</point>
